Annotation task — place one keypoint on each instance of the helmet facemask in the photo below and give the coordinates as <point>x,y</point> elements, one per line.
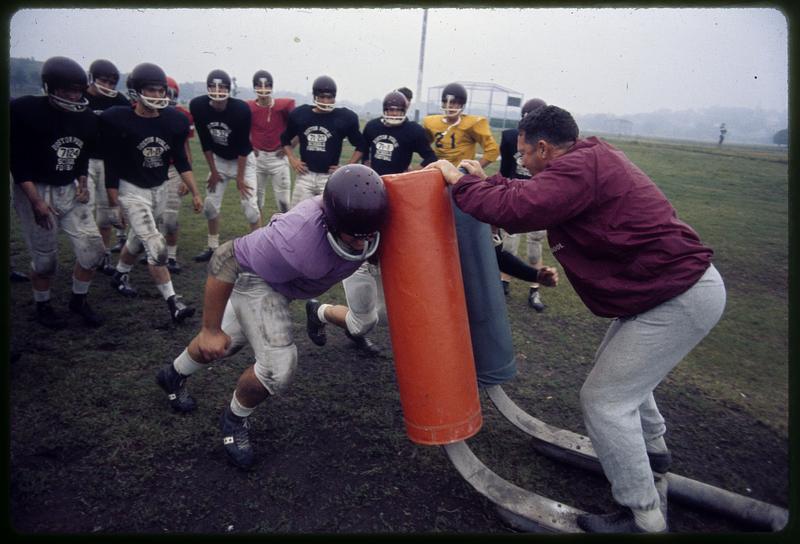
<point>151,102</point>
<point>218,91</point>
<point>65,103</point>
<point>110,92</point>
<point>264,88</point>
<point>323,106</point>
<point>451,108</point>
<point>343,249</point>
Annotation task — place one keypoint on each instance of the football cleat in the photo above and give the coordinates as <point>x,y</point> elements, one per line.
<point>621,521</point>
<point>173,266</point>
<point>118,246</point>
<point>47,317</point>
<point>236,439</point>
<point>122,283</point>
<point>535,302</point>
<point>314,327</point>
<point>80,306</point>
<point>363,343</point>
<point>204,256</point>
<point>178,311</point>
<point>174,384</point>
<point>660,462</point>
<point>18,277</point>
<point>105,265</point>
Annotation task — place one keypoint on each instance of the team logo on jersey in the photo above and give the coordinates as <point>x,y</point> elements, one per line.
<point>317,138</point>
<point>385,146</point>
<point>67,149</point>
<point>220,132</point>
<point>153,149</point>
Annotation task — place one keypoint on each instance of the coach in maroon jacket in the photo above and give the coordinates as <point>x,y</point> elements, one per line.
<point>628,257</point>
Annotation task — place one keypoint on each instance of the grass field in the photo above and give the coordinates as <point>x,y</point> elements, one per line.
<point>94,447</point>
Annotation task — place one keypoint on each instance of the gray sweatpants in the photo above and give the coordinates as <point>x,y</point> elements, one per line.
<point>637,352</point>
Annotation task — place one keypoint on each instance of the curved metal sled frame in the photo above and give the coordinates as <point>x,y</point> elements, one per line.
<point>577,450</point>
<point>519,508</point>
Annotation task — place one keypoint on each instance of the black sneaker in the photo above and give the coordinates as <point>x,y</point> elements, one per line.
<point>173,266</point>
<point>174,384</point>
<point>618,522</point>
<point>80,306</point>
<point>314,327</point>
<point>120,242</point>
<point>122,283</point>
<point>105,265</point>
<point>236,439</point>
<point>47,317</point>
<point>535,302</point>
<point>18,277</point>
<point>143,259</point>
<point>363,343</point>
<point>506,286</point>
<point>204,256</point>
<point>178,311</point>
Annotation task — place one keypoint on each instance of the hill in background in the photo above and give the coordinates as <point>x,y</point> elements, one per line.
<point>745,125</point>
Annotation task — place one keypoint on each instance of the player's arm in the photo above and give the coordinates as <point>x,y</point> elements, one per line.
<point>483,134</point>
<point>356,139</point>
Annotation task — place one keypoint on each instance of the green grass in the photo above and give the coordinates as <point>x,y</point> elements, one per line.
<point>94,447</point>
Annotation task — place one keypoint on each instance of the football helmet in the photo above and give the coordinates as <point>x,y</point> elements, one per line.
<point>262,83</point>
<point>532,104</point>
<point>324,85</point>
<point>144,75</point>
<point>62,73</point>
<point>218,84</point>
<point>105,69</point>
<point>454,96</point>
<point>173,90</point>
<point>354,202</point>
<point>394,100</point>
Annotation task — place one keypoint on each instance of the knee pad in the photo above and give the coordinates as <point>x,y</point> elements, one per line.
<point>274,369</point>
<point>251,212</point>
<point>45,264</point>
<point>133,244</point>
<point>90,252</point>
<point>105,217</point>
<point>361,324</point>
<point>170,221</point>
<point>156,250</point>
<point>209,210</point>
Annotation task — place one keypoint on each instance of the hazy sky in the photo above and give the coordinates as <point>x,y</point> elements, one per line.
<point>586,60</point>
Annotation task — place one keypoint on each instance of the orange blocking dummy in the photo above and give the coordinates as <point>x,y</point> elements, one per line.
<point>427,311</point>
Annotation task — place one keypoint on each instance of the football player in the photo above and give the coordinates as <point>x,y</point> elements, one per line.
<point>175,186</point>
<point>511,167</point>
<point>51,138</point>
<point>455,134</point>
<point>320,130</point>
<point>223,125</point>
<point>269,118</point>
<point>139,144</point>
<point>252,280</point>
<point>102,94</point>
<point>389,144</point>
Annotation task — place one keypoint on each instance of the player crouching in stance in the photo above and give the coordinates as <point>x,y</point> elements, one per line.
<point>300,254</point>
<point>140,143</point>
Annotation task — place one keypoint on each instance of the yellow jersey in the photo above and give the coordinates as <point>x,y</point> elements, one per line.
<point>457,142</point>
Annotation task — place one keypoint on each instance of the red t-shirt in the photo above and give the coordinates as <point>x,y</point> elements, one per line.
<point>268,123</point>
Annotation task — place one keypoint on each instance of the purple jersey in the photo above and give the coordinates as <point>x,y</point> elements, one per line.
<point>292,253</point>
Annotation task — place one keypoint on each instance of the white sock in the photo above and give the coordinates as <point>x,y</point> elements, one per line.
<point>172,252</point>
<point>41,296</point>
<point>213,241</point>
<point>80,287</point>
<point>123,268</point>
<point>321,312</point>
<point>166,290</point>
<point>651,521</point>
<point>185,365</point>
<point>238,409</point>
<point>657,446</point>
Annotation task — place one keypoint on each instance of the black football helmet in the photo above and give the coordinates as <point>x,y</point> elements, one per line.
<point>531,105</point>
<point>355,203</point>
<point>62,73</point>
<point>323,85</point>
<point>148,74</point>
<point>262,83</point>
<point>394,100</point>
<point>218,84</point>
<point>105,69</point>
<point>454,96</point>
